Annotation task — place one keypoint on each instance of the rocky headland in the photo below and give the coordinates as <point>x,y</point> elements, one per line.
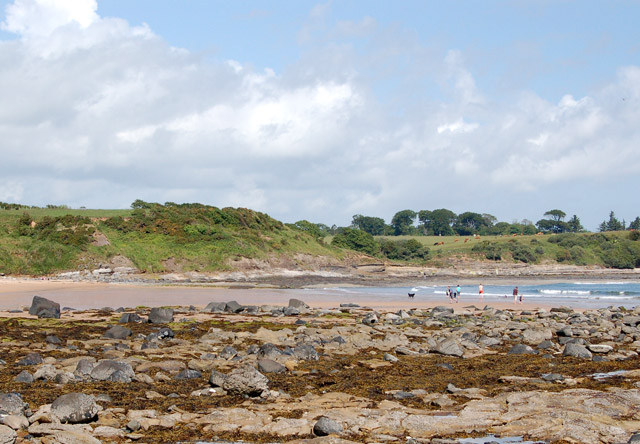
<point>231,372</point>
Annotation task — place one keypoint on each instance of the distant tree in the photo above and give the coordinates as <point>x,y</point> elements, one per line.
<point>140,205</point>
<point>372,225</point>
<point>469,223</point>
<point>310,228</point>
<point>402,222</point>
<point>635,224</point>
<point>554,224</point>
<point>556,215</point>
<point>574,224</point>
<point>437,222</point>
<point>613,224</point>
<point>490,219</point>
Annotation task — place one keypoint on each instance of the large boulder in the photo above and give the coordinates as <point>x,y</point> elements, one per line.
<point>215,307</point>
<point>245,380</point>
<point>233,307</point>
<point>118,332</point>
<point>44,308</point>
<point>161,315</point>
<point>130,318</point>
<point>74,408</point>
<point>326,426</point>
<point>270,366</point>
<point>449,347</point>
<point>12,404</point>
<point>106,368</point>
<point>577,351</point>
<point>297,303</point>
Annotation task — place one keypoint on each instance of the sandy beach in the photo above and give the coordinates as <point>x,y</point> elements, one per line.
<point>18,293</point>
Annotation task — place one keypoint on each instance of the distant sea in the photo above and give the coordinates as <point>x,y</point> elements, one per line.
<point>577,294</point>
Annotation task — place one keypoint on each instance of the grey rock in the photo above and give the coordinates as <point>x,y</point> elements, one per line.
<point>449,347</point>
<point>215,307</point>
<point>441,309</point>
<point>390,358</point>
<point>245,380</point>
<point>118,332</point>
<point>119,376</point>
<point>233,307</point>
<point>74,408</point>
<point>105,368</point>
<point>551,377</point>
<point>188,374</point>
<point>297,303</point>
<point>53,339</point>
<point>566,332</point>
<point>631,320</point>
<point>228,353</point>
<point>269,351</point>
<point>217,379</point>
<point>291,311</point>
<point>566,310</point>
<point>370,319</point>
<point>521,349</point>
<point>130,318</point>
<point>488,341</point>
<point>31,359</point>
<point>84,367</point>
<point>270,366</point>
<point>635,439</point>
<point>24,377</point>
<point>133,425</point>
<point>326,426</point>
<point>305,352</point>
<point>12,404</point>
<point>46,372</point>
<point>44,308</point>
<point>159,315</point>
<point>577,350</point>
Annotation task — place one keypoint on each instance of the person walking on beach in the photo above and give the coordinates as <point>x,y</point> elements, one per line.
<point>515,296</point>
<point>449,295</point>
<point>481,291</point>
<point>459,292</point>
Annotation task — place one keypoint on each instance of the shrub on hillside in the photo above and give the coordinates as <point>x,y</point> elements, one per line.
<point>634,235</point>
<point>403,250</point>
<point>491,250</point>
<point>357,240</point>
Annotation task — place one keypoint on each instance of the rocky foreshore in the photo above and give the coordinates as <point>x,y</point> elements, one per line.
<point>229,372</point>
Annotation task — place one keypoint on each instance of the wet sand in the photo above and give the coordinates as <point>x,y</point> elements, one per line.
<point>17,293</point>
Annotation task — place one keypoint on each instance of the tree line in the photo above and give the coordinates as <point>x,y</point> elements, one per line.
<point>444,222</point>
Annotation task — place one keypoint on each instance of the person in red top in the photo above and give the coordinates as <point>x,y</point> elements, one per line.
<point>481,290</point>
<point>515,296</point>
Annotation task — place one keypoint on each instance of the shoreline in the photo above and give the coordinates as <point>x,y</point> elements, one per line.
<point>17,293</point>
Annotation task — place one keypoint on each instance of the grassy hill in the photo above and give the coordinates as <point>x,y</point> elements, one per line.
<point>619,249</point>
<point>158,238</point>
<point>152,238</point>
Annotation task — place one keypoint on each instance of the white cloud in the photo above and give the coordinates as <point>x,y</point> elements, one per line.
<point>40,18</point>
<point>458,126</point>
<point>96,112</point>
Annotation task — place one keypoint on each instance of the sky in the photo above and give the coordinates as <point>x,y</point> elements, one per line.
<point>323,110</point>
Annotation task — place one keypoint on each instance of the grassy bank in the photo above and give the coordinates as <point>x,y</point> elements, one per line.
<point>156,238</point>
